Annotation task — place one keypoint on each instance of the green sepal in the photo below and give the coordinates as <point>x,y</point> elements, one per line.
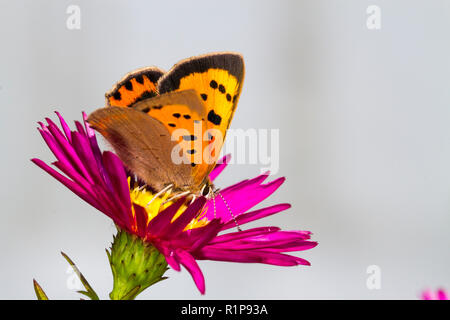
<point>90,293</point>
<point>132,294</point>
<point>135,265</point>
<point>40,294</point>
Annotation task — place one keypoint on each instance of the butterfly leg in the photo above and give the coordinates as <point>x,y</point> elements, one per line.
<point>142,187</point>
<point>165,189</point>
<point>177,196</point>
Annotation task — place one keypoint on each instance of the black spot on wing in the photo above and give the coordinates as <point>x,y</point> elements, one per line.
<point>117,95</point>
<point>153,75</point>
<point>145,95</point>
<point>140,79</point>
<point>213,84</point>
<point>214,118</point>
<point>128,85</point>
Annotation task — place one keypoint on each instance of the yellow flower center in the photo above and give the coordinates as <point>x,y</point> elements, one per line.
<point>153,206</point>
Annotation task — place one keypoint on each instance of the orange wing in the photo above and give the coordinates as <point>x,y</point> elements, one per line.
<point>183,114</point>
<point>195,101</point>
<point>135,86</point>
<point>217,78</point>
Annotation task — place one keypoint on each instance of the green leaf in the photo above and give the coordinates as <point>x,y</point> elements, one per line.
<point>40,294</point>
<point>89,291</point>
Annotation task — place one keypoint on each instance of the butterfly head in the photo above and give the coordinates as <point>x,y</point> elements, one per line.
<point>208,190</point>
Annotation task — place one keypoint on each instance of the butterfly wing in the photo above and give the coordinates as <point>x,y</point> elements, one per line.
<point>217,78</point>
<point>184,115</point>
<point>175,124</point>
<point>143,144</point>
<point>198,95</point>
<point>135,86</point>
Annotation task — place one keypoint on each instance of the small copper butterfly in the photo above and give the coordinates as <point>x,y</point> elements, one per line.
<point>148,108</point>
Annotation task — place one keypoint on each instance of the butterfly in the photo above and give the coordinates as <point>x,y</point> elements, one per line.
<point>168,127</point>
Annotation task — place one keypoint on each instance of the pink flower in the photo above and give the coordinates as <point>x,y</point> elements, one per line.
<point>440,294</point>
<point>181,231</point>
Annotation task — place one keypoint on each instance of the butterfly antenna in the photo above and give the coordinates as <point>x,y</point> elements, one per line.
<point>214,204</point>
<point>169,187</point>
<point>229,210</point>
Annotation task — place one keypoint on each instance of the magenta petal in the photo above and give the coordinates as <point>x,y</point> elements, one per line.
<point>82,146</point>
<point>67,148</point>
<point>269,246</point>
<point>89,131</point>
<point>43,127</point>
<point>256,215</point>
<point>170,257</point>
<point>442,295</point>
<point>220,165</point>
<point>426,295</point>
<point>74,175</point>
<point>80,128</point>
<point>182,221</point>
<point>209,233</point>
<point>191,265</point>
<point>65,127</point>
<point>52,127</point>
<point>141,220</point>
<point>159,223</point>
<point>305,245</point>
<point>251,256</point>
<point>277,241</point>
<point>80,159</point>
<point>54,147</point>
<point>96,150</point>
<point>244,234</point>
<point>241,197</point>
<point>116,172</point>
<point>282,236</point>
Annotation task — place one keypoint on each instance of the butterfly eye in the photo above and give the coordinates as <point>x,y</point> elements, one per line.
<point>205,190</point>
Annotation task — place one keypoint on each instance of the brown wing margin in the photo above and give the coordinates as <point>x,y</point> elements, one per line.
<point>230,61</point>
